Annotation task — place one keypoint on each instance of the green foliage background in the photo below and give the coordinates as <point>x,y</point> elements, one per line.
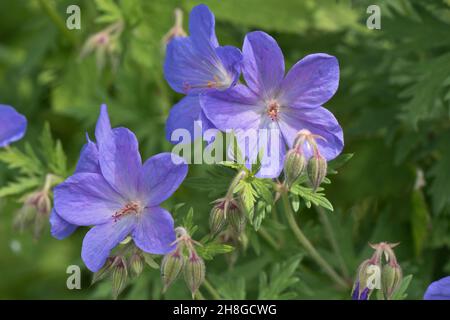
<point>393,103</point>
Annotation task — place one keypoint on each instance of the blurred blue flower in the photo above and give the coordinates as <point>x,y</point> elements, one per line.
<point>438,290</point>
<point>119,195</point>
<point>12,125</point>
<point>283,104</point>
<point>196,65</point>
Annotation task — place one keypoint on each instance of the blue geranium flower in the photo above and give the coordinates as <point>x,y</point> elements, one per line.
<point>119,196</point>
<point>197,65</point>
<point>282,104</point>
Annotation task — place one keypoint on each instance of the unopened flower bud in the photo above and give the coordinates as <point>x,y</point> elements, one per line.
<point>217,219</point>
<point>171,266</point>
<point>194,272</point>
<point>317,170</point>
<point>24,218</point>
<point>119,276</point>
<point>34,212</point>
<point>301,138</point>
<point>294,164</point>
<point>235,217</point>
<point>391,276</point>
<point>104,44</point>
<point>367,279</point>
<point>136,263</point>
<point>40,201</point>
<point>364,272</point>
<point>105,270</point>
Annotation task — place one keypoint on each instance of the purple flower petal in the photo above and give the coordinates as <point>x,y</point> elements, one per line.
<point>86,199</point>
<point>191,72</point>
<point>101,239</point>
<point>231,58</point>
<point>119,157</point>
<point>236,108</point>
<point>161,175</point>
<point>60,228</point>
<point>438,290</point>
<point>364,294</point>
<point>12,125</point>
<point>154,232</point>
<point>319,121</point>
<point>311,82</point>
<point>202,28</point>
<point>187,114</point>
<point>103,131</point>
<point>355,293</point>
<point>263,64</point>
<point>274,150</point>
<point>121,162</point>
<point>88,161</point>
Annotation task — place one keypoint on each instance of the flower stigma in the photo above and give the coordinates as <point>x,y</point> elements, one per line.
<point>273,108</point>
<point>132,207</point>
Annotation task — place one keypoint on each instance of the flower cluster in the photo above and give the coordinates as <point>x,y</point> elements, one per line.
<point>381,272</point>
<point>244,91</point>
<point>269,100</point>
<point>119,197</point>
<point>183,258</point>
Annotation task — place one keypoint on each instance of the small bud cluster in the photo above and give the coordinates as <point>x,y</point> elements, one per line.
<point>129,261</point>
<point>35,210</point>
<point>295,163</point>
<point>226,213</point>
<point>183,259</point>
<point>105,44</point>
<point>381,271</point>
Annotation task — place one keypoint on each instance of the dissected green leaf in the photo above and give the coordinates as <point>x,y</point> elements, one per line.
<point>209,250</point>
<point>309,196</point>
<point>281,278</point>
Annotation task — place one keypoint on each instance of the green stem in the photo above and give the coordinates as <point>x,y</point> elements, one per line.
<point>212,291</point>
<point>303,240</point>
<point>239,176</point>
<point>275,213</point>
<point>56,19</point>
<point>332,238</point>
<point>198,296</point>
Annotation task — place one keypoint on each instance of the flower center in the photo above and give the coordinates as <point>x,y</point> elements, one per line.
<point>273,108</point>
<point>132,207</point>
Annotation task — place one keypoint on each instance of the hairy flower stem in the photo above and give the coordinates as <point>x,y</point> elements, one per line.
<point>303,240</point>
<point>212,291</point>
<point>50,181</point>
<point>198,296</point>
<point>332,239</point>
<point>234,183</point>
